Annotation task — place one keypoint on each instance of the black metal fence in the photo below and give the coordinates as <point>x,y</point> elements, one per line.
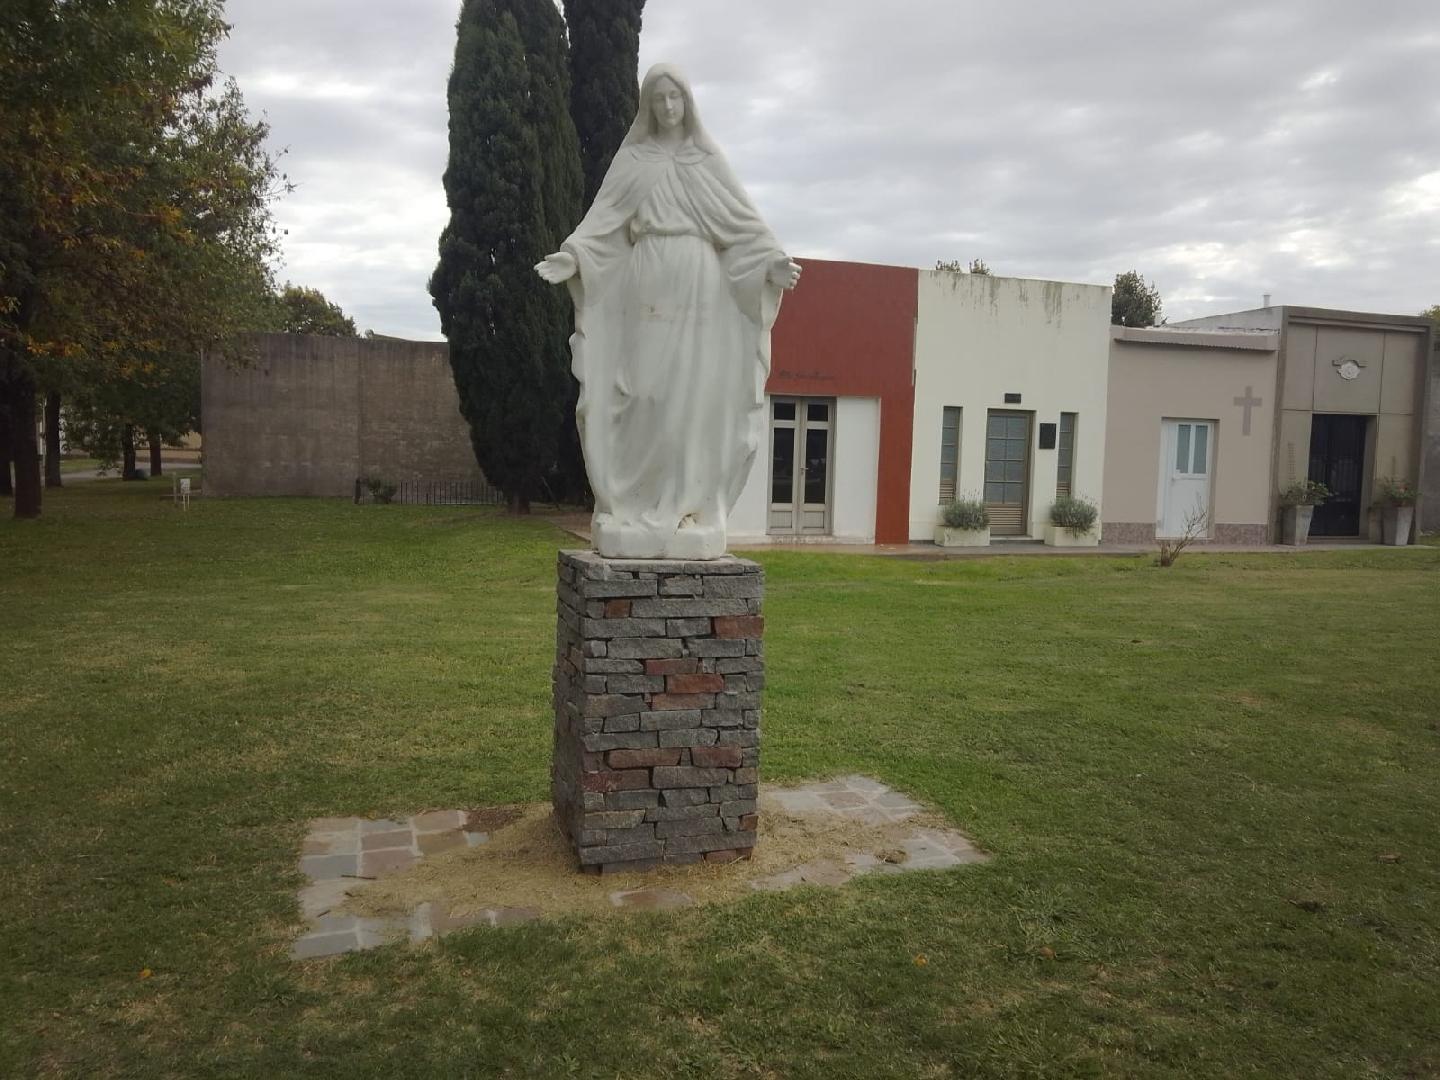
<point>428,492</point>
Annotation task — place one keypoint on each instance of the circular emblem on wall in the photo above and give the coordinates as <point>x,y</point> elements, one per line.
<point>1347,369</point>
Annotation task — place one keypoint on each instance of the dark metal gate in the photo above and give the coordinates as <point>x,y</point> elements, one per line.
<point>1337,460</point>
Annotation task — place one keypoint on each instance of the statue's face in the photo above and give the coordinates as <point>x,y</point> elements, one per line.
<point>667,104</point>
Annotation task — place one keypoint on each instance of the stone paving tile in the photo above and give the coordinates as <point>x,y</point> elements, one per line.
<point>339,854</point>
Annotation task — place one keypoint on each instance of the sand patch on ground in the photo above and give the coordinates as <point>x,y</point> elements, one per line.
<point>527,863</point>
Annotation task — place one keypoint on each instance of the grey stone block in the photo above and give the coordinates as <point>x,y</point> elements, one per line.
<point>684,796</point>
<point>738,664</point>
<point>628,722</point>
<point>646,648</point>
<point>687,627</point>
<point>689,737</point>
<point>649,849</point>
<point>731,792</point>
<point>737,586</point>
<point>614,819</point>
<point>722,718</point>
<point>638,834</point>
<point>613,667</point>
<point>678,608</point>
<point>712,842</point>
<point>682,585</point>
<point>670,720</point>
<point>681,776</point>
<point>632,800</point>
<point>683,813</point>
<point>740,737</point>
<point>716,647</point>
<point>620,740</point>
<point>623,628</point>
<point>604,705</point>
<point>637,684</point>
<point>737,807</point>
<point>692,826</point>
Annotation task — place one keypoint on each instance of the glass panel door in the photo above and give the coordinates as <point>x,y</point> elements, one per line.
<point>800,474</point>
<point>1007,471</point>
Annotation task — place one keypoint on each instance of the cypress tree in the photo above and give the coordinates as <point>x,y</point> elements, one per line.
<point>513,185</point>
<point>604,54</point>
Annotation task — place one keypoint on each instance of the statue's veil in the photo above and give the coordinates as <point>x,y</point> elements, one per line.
<point>643,126</point>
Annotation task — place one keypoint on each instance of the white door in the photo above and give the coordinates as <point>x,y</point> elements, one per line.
<point>800,441</point>
<point>1187,458</point>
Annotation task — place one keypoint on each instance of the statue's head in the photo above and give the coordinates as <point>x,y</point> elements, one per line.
<point>666,101</point>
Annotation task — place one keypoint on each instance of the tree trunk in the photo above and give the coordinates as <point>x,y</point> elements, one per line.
<point>20,402</point>
<point>154,439</point>
<point>127,450</point>
<point>52,439</point>
<point>519,504</point>
<point>6,487</point>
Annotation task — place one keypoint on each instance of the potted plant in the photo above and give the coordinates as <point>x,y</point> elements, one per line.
<point>1297,507</point>
<point>963,523</point>
<point>1397,509</point>
<point>1072,522</point>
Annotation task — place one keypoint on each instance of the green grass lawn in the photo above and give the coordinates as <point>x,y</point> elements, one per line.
<point>1188,778</point>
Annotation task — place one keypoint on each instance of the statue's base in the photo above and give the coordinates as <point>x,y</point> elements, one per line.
<point>614,540</point>
<point>659,667</point>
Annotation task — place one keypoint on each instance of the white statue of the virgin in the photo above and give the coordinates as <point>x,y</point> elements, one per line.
<point>676,282</point>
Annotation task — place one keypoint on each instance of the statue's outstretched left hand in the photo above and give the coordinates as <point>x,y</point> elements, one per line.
<point>556,268</point>
<point>784,272</point>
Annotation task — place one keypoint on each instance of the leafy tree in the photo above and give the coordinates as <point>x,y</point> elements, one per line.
<point>158,398</point>
<point>954,266</point>
<point>604,59</point>
<point>133,199</point>
<point>1433,314</point>
<point>306,311</point>
<point>513,186</point>
<point>1135,302</point>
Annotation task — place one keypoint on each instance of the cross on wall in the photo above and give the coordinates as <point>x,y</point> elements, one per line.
<point>1248,402</point>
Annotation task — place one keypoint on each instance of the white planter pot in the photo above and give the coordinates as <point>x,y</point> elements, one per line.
<point>948,537</point>
<point>1056,536</point>
<point>1295,524</point>
<point>1395,522</point>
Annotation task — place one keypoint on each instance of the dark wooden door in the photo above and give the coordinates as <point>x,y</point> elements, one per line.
<point>1337,460</point>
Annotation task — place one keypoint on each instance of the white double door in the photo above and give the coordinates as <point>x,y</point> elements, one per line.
<point>1187,462</point>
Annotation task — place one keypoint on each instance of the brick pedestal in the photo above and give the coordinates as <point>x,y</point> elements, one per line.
<point>659,666</point>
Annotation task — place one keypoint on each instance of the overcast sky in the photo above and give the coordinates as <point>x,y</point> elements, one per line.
<point>1224,149</point>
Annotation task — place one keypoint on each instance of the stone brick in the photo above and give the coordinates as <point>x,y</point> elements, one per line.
<point>622,853</point>
<point>670,721</point>
<point>593,800</point>
<point>734,791</point>
<point>617,609</point>
<point>626,780</point>
<point>682,813</point>
<point>628,722</point>
<point>614,819</point>
<point>741,586</point>
<point>639,833</point>
<point>711,842</point>
<point>631,800</point>
<point>682,777</point>
<point>737,807</point>
<point>722,718</point>
<point>687,627</point>
<point>715,647</point>
<point>594,684</point>
<point>739,626</point>
<point>688,737</point>
<point>594,648</point>
<point>749,822</point>
<point>732,665</point>
<point>622,628</point>
<point>692,826</point>
<point>603,705</point>
<point>717,757</point>
<point>620,740</point>
<point>747,776</point>
<point>737,701</point>
<point>687,666</point>
<point>694,684</point>
<point>680,585</point>
<point>636,684</point>
<point>672,702</point>
<point>661,607</point>
<point>612,667</point>
<point>592,762</point>
<point>644,759</point>
<point>647,648</point>
<point>750,756</point>
<point>604,590</point>
<point>683,797</point>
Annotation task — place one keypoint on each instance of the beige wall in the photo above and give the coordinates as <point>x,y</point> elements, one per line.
<point>1150,382</point>
<point>979,337</point>
<point>1388,387</point>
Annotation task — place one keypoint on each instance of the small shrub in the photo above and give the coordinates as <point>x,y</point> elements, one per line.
<point>1304,493</point>
<point>1074,512</point>
<point>1395,491</point>
<point>381,491</point>
<point>965,514</point>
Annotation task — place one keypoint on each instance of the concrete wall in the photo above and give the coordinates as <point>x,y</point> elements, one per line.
<point>1157,374</point>
<point>979,337</point>
<point>1430,459</point>
<point>312,414</point>
<point>1389,387</point>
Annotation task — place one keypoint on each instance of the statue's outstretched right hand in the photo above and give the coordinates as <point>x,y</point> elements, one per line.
<point>557,267</point>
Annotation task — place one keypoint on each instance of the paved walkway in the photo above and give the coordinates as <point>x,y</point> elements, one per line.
<point>578,525</point>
